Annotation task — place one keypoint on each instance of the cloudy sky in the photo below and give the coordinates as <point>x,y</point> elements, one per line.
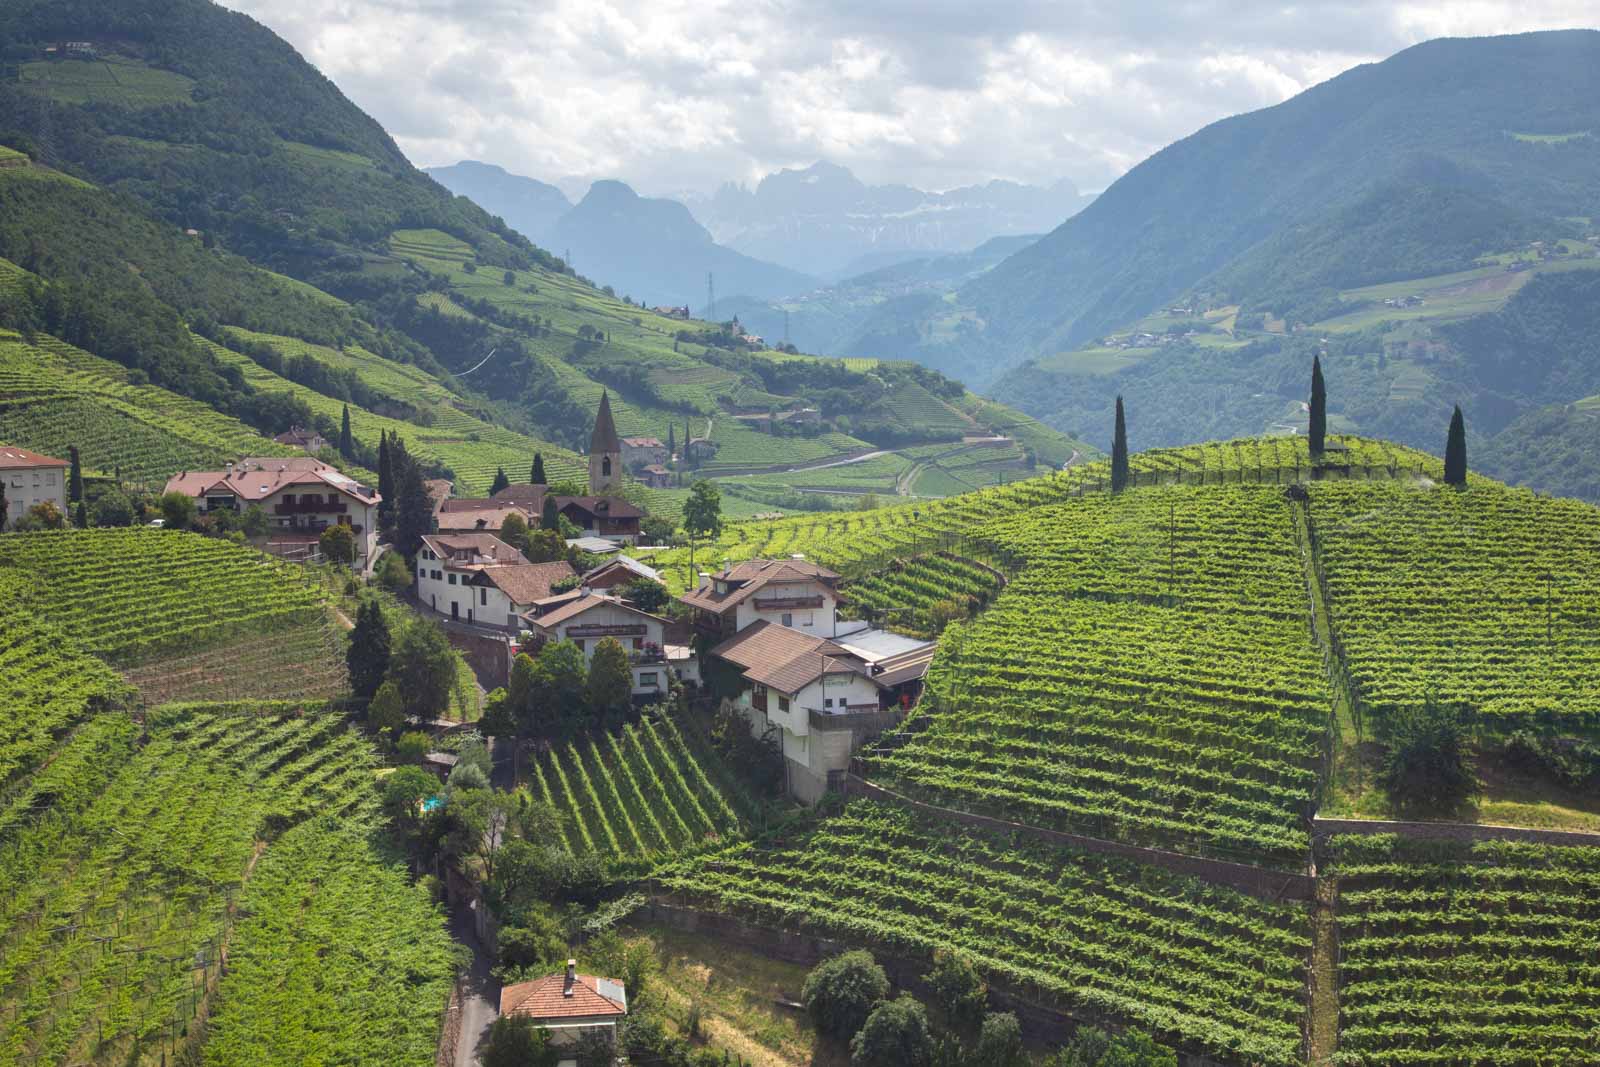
<point>678,95</point>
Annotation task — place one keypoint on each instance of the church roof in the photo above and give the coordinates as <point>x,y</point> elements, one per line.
<point>604,439</point>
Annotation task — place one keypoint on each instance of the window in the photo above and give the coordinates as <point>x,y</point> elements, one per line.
<point>483,596</point>
<point>647,680</point>
<point>437,576</point>
<point>578,641</point>
<point>50,478</point>
<point>638,642</point>
<point>605,466</point>
<point>783,703</point>
<point>451,578</point>
<point>827,702</point>
<point>788,619</point>
<point>288,498</point>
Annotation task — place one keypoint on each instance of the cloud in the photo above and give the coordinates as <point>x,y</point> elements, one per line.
<point>676,95</point>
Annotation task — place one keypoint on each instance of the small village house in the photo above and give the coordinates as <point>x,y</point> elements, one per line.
<point>655,476</point>
<point>299,437</point>
<point>590,618</point>
<point>32,479</point>
<point>618,571</point>
<point>570,1007</point>
<point>821,698</point>
<point>789,592</point>
<point>478,578</point>
<point>301,496</point>
<point>640,452</point>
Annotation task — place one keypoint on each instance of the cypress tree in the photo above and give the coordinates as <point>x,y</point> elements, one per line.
<point>500,481</point>
<point>1455,451</point>
<point>551,518</point>
<point>368,655</point>
<point>347,445</point>
<point>1119,452</point>
<point>4,507</point>
<point>1319,408</point>
<point>75,479</point>
<point>672,442</point>
<point>82,519</point>
<point>385,478</point>
<point>413,516</point>
<point>537,477</point>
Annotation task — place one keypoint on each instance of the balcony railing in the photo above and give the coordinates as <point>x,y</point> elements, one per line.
<point>318,507</point>
<point>788,603</point>
<point>854,717</point>
<point>642,656</point>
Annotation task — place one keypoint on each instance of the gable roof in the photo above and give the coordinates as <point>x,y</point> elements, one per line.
<point>259,478</point>
<point>608,506</point>
<point>12,457</point>
<point>525,583</point>
<point>787,660</point>
<point>544,998</point>
<point>625,563</point>
<point>643,442</point>
<point>471,519</point>
<point>477,549</point>
<point>749,577</point>
<point>525,493</point>
<point>586,602</point>
<point>604,438</point>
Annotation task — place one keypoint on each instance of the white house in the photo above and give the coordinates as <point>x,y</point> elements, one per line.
<point>570,1007</point>
<point>478,578</point>
<point>301,496</point>
<point>788,592</point>
<point>821,698</point>
<point>31,479</point>
<point>590,618</point>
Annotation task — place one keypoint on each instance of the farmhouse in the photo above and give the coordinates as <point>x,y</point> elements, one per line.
<point>607,517</point>
<point>619,571</point>
<point>642,451</point>
<point>789,592</point>
<point>299,437</point>
<point>461,516</point>
<point>570,1007</point>
<point>478,578</point>
<point>655,476</point>
<point>301,496</point>
<point>30,479</point>
<point>821,698</point>
<point>590,618</point>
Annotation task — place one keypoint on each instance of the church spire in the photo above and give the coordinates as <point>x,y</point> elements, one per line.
<point>604,438</point>
<point>605,452</point>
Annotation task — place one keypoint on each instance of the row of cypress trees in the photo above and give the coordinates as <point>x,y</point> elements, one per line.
<point>1455,449</point>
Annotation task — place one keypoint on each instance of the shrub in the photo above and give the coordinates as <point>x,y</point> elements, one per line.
<point>515,1042</point>
<point>840,992</point>
<point>896,1034</point>
<point>959,994</point>
<point>1000,1042</point>
<point>1426,769</point>
<point>413,745</point>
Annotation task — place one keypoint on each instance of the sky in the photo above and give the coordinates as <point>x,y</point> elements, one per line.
<point>677,97</point>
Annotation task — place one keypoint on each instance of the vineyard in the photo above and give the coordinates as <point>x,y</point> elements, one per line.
<point>1486,954</point>
<point>49,687</point>
<point>116,896</point>
<point>133,595</point>
<point>1489,598</point>
<point>1147,676</point>
<point>53,396</point>
<point>304,662</point>
<point>905,595</point>
<point>642,792</point>
<point>339,958</point>
<point>1206,968</point>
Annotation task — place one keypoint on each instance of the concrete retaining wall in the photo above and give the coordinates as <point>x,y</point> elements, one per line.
<point>1452,831</point>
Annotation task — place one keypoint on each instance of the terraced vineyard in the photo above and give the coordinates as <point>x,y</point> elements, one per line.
<point>1486,954</point>
<point>122,880</point>
<point>49,686</point>
<point>302,662</point>
<point>642,792</point>
<point>905,595</point>
<point>1147,676</point>
<point>1205,968</point>
<point>133,595</point>
<point>53,395</point>
<point>1490,598</point>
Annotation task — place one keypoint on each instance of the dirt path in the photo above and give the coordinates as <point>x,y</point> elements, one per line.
<point>1324,1008</point>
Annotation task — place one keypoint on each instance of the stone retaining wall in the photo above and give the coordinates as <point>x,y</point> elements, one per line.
<point>1322,829</point>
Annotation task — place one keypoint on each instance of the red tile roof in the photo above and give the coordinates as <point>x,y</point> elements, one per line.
<point>12,457</point>
<point>545,998</point>
<point>785,659</point>
<point>752,575</point>
<point>528,582</point>
<point>471,549</point>
<point>583,603</point>
<point>258,479</point>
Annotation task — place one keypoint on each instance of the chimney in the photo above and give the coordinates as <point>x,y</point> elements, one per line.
<point>705,580</point>
<point>799,557</point>
<point>572,978</point>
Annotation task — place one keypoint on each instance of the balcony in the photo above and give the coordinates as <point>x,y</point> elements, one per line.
<point>788,603</point>
<point>641,657</point>
<point>316,507</point>
<point>862,717</point>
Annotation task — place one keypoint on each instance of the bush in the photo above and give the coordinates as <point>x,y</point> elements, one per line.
<point>112,509</point>
<point>1000,1042</point>
<point>1092,1047</point>
<point>413,745</point>
<point>393,574</point>
<point>1426,769</point>
<point>896,1034</point>
<point>177,511</point>
<point>840,992</point>
<point>959,994</point>
<point>536,943</point>
<point>515,1042</point>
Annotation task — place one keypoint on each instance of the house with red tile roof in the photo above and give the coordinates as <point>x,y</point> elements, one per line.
<point>590,617</point>
<point>302,497</point>
<point>29,479</point>
<point>570,1007</point>
<point>478,578</point>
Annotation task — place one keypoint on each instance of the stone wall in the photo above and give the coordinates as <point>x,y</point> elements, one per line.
<point>1451,831</point>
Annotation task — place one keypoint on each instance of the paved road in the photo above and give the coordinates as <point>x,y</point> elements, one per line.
<point>480,1002</point>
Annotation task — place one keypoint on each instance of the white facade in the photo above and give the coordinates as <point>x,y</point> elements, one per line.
<point>640,634</point>
<point>811,750</point>
<point>809,606</point>
<point>28,484</point>
<point>463,595</point>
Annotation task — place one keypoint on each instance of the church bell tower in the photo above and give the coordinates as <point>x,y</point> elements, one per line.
<point>605,453</point>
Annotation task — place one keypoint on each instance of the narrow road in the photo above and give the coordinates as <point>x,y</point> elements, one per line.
<point>480,992</point>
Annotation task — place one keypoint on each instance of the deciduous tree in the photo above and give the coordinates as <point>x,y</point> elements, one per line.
<point>177,510</point>
<point>702,515</point>
<point>841,991</point>
<point>423,667</point>
<point>610,687</point>
<point>896,1034</point>
<point>338,544</point>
